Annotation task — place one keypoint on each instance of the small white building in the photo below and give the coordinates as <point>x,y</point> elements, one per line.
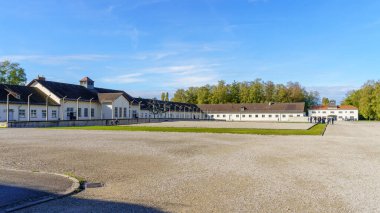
<point>280,112</point>
<point>340,113</point>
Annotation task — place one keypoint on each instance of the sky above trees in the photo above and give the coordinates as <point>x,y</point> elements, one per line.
<point>146,47</point>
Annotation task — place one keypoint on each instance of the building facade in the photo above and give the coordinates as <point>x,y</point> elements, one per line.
<point>339,113</point>
<point>43,100</point>
<point>274,112</point>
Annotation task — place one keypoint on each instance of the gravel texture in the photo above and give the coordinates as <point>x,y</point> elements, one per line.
<point>224,124</point>
<point>186,172</point>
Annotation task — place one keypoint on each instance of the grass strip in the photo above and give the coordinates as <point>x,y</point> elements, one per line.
<point>315,130</point>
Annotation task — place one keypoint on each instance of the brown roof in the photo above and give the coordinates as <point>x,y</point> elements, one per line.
<point>343,107</point>
<point>108,97</point>
<point>254,108</point>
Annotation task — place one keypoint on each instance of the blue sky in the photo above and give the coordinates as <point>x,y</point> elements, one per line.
<point>148,46</point>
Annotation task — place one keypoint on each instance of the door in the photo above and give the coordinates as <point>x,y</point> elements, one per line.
<point>11,114</point>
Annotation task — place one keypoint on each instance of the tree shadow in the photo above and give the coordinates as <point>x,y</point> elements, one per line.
<point>13,197</point>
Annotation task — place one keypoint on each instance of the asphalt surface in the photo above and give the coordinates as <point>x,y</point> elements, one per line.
<point>19,187</point>
<point>197,172</point>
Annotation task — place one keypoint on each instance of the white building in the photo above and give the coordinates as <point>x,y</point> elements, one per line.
<point>342,113</point>
<point>43,100</point>
<point>255,112</point>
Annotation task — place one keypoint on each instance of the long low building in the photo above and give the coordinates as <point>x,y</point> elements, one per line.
<point>255,112</point>
<point>42,100</point>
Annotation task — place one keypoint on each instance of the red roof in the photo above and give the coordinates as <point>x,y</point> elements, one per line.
<point>343,107</point>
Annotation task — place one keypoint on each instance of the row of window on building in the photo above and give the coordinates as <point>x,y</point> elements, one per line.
<point>332,112</point>
<point>70,111</point>
<point>256,116</point>
<point>33,113</point>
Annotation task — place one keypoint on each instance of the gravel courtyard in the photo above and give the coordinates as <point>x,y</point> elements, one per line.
<point>196,172</point>
<point>224,124</point>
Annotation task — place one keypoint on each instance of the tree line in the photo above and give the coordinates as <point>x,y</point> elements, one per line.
<point>257,91</point>
<point>367,99</point>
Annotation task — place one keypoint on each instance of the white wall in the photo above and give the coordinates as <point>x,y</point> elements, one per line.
<point>82,105</point>
<point>16,108</point>
<point>254,116</point>
<point>341,114</point>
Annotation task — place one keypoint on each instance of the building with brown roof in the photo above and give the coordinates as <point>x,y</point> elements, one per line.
<point>332,110</point>
<point>255,111</point>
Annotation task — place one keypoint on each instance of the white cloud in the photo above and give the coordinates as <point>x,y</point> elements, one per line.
<point>154,55</point>
<point>55,59</point>
<point>125,79</point>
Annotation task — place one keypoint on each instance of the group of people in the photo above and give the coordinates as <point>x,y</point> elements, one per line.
<point>321,120</point>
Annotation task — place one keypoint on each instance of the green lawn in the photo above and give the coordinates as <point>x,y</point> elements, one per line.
<point>315,130</point>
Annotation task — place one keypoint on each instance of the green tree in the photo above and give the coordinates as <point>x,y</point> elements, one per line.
<point>269,91</point>
<point>203,96</point>
<point>325,101</point>
<point>12,73</point>
<point>256,92</point>
<point>220,93</point>
<point>162,96</point>
<point>180,96</point>
<point>234,91</point>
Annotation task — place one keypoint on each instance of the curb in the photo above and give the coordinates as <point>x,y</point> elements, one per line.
<point>75,188</point>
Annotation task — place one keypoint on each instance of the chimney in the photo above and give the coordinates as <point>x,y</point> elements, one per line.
<point>41,78</point>
<point>87,82</point>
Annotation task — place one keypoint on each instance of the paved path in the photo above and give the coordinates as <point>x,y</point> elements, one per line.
<point>20,187</point>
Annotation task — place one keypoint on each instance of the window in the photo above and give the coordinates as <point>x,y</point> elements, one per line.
<point>70,111</point>
<point>250,116</point>
<point>43,113</point>
<point>256,116</point>
<point>332,112</point>
<point>85,112</point>
<point>298,115</point>
<point>217,116</point>
<point>79,112</point>
<point>324,112</point>
<point>237,116</point>
<point>243,116</point>
<point>263,116</point>
<point>270,116</point>
<point>284,116</point>
<point>290,116</point>
<point>21,113</point>
<point>212,116</point>
<point>352,112</point>
<point>276,116</point>
<point>115,112</point>
<point>120,112</point>
<point>92,112</point>
<point>224,116</point>
<point>313,112</point>
<point>340,112</point>
<point>54,113</point>
<point>125,112</point>
<point>33,113</point>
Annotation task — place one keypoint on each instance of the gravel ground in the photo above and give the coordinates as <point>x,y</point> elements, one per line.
<point>235,124</point>
<point>187,172</point>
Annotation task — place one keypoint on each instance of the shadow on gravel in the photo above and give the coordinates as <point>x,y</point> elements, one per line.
<point>12,197</point>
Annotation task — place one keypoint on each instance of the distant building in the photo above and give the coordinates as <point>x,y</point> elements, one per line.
<point>343,112</point>
<point>255,112</point>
